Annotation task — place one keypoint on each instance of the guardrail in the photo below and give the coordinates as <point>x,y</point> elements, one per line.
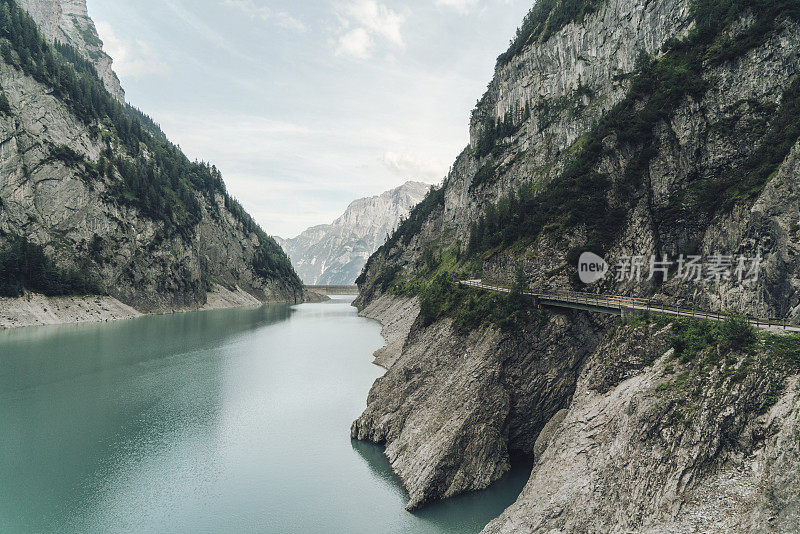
<point>620,303</point>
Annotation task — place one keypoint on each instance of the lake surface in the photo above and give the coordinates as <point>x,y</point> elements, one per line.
<point>222,421</point>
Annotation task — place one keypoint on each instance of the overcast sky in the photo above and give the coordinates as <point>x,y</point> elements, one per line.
<point>308,105</point>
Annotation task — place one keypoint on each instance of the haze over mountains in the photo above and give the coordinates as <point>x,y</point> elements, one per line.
<point>334,254</point>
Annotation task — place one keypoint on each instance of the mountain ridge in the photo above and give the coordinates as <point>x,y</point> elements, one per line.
<point>68,21</point>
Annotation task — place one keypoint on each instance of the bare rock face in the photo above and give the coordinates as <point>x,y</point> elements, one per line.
<point>68,21</point>
<point>625,437</point>
<point>664,451</point>
<point>334,254</point>
<point>451,408</point>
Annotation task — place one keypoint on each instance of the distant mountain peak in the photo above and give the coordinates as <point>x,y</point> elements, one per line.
<point>334,254</point>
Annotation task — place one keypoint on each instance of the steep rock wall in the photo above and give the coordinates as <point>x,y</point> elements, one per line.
<point>557,92</point>
<point>334,254</point>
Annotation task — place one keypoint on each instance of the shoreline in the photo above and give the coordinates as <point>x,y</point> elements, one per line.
<point>396,315</point>
<point>33,309</point>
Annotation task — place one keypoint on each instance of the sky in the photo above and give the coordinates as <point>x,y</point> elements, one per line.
<point>308,105</point>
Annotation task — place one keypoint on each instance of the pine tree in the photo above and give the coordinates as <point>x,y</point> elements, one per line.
<point>5,107</point>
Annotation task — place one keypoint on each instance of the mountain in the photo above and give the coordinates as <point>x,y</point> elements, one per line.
<point>93,197</point>
<point>334,254</point>
<point>630,129</point>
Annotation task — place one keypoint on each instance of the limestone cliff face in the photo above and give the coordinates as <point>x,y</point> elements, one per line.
<point>60,189</point>
<point>334,254</point>
<point>652,447</point>
<point>453,404</point>
<point>68,21</point>
<point>452,407</point>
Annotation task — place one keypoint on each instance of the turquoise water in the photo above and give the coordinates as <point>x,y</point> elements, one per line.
<point>223,421</point>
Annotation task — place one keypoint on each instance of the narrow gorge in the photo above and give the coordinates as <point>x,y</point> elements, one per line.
<point>644,152</point>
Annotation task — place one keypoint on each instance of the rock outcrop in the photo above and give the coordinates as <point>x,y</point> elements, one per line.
<point>630,129</point>
<point>335,254</point>
<point>452,407</point>
<point>663,450</point>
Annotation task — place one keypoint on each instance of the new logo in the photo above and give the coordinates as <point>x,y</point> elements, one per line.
<point>591,268</point>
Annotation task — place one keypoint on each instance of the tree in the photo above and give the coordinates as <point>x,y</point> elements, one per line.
<point>516,297</point>
<point>5,107</point>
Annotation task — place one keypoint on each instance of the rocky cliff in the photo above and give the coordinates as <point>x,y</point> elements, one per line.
<point>334,254</point>
<point>629,129</point>
<point>68,21</point>
<point>94,198</point>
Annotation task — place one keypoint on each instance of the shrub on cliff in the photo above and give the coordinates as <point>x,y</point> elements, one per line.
<point>544,19</point>
<point>580,196</point>
<point>737,333</point>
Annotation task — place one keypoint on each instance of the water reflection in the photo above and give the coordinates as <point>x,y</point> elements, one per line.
<point>39,355</point>
<point>461,513</point>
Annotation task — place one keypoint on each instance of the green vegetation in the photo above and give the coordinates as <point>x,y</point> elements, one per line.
<point>66,155</point>
<point>166,196</point>
<point>24,265</point>
<point>746,182</point>
<point>714,16</point>
<point>547,111</point>
<point>406,230</point>
<point>690,337</point>
<point>485,174</point>
<point>5,106</point>
<point>580,196</point>
<point>719,364</point>
<point>785,349</point>
<point>471,310</point>
<point>270,260</point>
<point>543,20</point>
<point>442,296</point>
<point>735,348</point>
<point>435,282</point>
<point>156,177</point>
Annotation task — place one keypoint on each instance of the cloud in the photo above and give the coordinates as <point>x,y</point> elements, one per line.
<point>291,175</point>
<point>279,18</point>
<point>131,59</point>
<point>356,43</point>
<point>410,167</point>
<point>462,6</point>
<point>364,22</point>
